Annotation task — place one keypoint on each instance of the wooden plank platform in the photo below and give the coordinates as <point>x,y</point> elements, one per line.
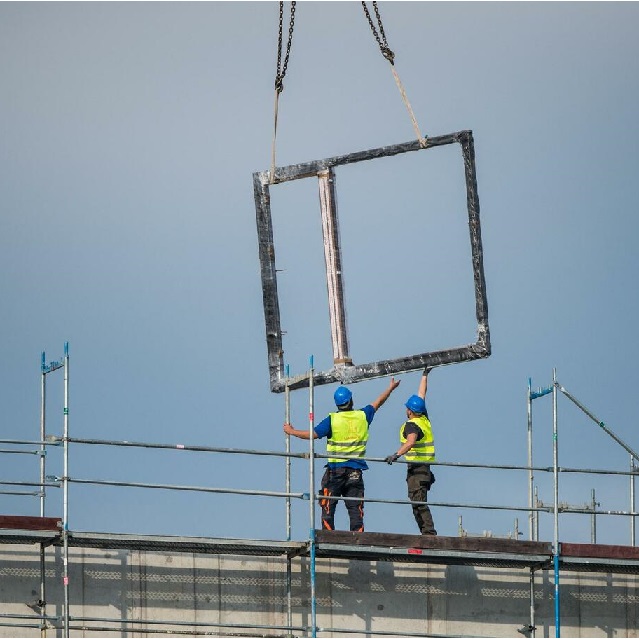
<point>599,558</point>
<point>598,551</point>
<point>18,529</point>
<point>483,544</point>
<point>19,522</point>
<point>340,544</point>
<point>171,543</point>
<point>477,551</point>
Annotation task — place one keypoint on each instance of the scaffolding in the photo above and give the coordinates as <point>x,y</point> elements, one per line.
<point>533,554</point>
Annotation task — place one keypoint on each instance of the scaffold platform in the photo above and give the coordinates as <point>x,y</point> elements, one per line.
<point>365,546</point>
<point>471,551</point>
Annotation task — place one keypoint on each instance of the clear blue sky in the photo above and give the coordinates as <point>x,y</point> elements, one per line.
<point>129,134</point>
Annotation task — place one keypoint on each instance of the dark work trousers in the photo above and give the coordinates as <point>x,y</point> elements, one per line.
<point>419,479</point>
<point>342,482</point>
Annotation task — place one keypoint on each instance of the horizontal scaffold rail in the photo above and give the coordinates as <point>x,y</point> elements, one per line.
<point>138,625</point>
<point>184,447</point>
<point>30,483</point>
<point>306,496</point>
<point>9,451</point>
<point>305,455</point>
<point>51,441</point>
<point>201,489</point>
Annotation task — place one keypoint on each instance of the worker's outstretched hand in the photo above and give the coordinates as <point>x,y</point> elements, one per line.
<point>393,384</point>
<point>288,429</point>
<point>392,458</point>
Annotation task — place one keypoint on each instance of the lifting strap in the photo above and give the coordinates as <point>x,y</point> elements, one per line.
<point>281,72</point>
<point>380,36</point>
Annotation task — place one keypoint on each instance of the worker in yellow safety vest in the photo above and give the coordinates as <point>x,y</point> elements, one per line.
<point>347,435</point>
<point>418,448</point>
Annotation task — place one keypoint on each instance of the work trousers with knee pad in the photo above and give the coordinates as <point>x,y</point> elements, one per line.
<point>342,482</point>
<point>419,479</point>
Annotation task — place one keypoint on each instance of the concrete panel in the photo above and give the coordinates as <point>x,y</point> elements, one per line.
<point>221,594</point>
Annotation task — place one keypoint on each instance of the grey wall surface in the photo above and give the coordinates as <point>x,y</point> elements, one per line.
<point>366,596</point>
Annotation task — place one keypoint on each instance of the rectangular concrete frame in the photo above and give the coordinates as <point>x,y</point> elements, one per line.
<point>350,374</point>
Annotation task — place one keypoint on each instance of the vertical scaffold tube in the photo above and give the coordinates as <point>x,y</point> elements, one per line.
<point>333,260</point>
<point>536,514</point>
<point>593,517</point>
<point>633,469</point>
<point>532,493</point>
<point>532,602</point>
<point>555,448</point>
<point>311,419</point>
<point>531,479</point>
<point>43,434</point>
<point>65,508</point>
<point>287,419</point>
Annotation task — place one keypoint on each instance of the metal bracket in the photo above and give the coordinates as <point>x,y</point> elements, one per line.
<point>344,371</point>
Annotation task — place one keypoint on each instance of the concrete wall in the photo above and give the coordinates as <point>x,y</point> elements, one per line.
<point>362,595</point>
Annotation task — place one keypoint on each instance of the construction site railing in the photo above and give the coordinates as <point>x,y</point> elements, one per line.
<point>65,442</point>
<point>289,494</point>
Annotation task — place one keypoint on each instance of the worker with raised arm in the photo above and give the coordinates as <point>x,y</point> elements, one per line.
<point>418,447</point>
<point>347,434</point>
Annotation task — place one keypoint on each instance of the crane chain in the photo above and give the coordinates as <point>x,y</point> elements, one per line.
<point>281,69</point>
<point>379,36</point>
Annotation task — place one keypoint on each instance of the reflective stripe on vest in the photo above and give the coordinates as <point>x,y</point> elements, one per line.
<point>349,434</point>
<point>423,451</point>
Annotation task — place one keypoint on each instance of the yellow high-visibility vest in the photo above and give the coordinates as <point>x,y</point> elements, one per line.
<point>349,434</point>
<point>423,451</point>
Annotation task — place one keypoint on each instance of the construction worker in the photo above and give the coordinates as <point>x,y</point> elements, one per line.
<point>418,447</point>
<point>347,433</point>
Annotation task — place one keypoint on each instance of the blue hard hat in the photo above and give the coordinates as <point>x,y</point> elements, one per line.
<point>416,404</point>
<point>342,396</point>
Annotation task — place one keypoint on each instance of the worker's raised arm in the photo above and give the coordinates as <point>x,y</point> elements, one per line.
<point>300,434</point>
<point>386,394</point>
<point>423,383</point>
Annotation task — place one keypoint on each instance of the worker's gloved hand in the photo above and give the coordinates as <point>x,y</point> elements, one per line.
<point>392,458</point>
<point>427,370</point>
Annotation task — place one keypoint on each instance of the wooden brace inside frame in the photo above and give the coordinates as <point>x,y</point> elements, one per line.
<point>344,371</point>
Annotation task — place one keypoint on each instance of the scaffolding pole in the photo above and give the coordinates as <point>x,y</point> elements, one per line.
<point>593,517</point>
<point>555,449</point>
<point>532,523</point>
<point>289,576</point>
<point>536,514</point>
<point>43,434</point>
<point>532,626</point>
<point>633,455</point>
<point>200,489</point>
<point>65,487</point>
<point>633,470</point>
<point>311,432</point>
<point>597,421</point>
<point>531,476</point>
<point>44,370</point>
